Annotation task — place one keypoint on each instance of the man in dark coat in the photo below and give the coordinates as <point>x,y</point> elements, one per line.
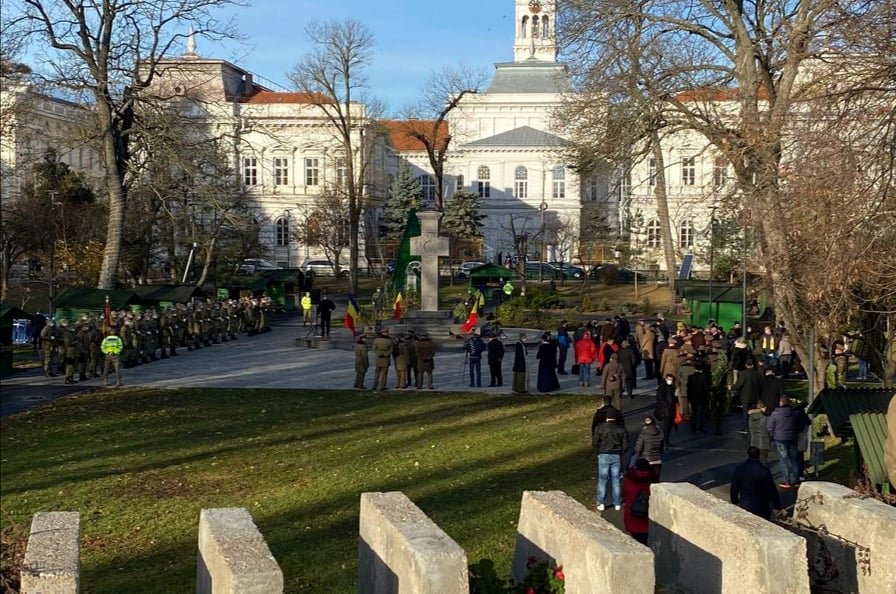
<point>772,390</point>
<point>626,358</point>
<point>519,366</point>
<point>610,441</point>
<point>665,406</point>
<point>699,387</point>
<point>748,388</point>
<point>547,364</point>
<point>325,310</point>
<point>564,341</point>
<point>753,487</point>
<point>606,410</point>
<point>495,355</point>
<point>784,425</point>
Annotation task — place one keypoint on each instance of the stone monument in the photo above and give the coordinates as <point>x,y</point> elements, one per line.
<point>429,246</point>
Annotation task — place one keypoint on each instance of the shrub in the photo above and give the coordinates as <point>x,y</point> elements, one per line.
<point>541,578</point>
<point>646,306</point>
<point>604,304</point>
<point>586,303</point>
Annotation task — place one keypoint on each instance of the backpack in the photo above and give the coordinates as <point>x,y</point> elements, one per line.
<point>640,505</point>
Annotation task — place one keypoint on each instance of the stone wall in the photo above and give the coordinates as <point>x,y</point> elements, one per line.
<point>867,562</point>
<point>52,563</point>
<point>705,544</point>
<point>596,556</point>
<point>402,550</point>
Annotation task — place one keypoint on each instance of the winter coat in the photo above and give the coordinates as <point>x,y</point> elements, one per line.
<point>627,361</point>
<point>772,391</point>
<point>785,423</point>
<point>670,362</point>
<point>362,362</point>
<point>426,352</point>
<point>753,489</point>
<point>699,388</point>
<point>613,375</point>
<point>759,437</point>
<point>646,343</point>
<point>382,347</point>
<point>650,444</point>
<point>610,438</point>
<point>634,482</point>
<point>401,358</point>
<point>739,358</point>
<point>748,386</point>
<point>586,352</point>
<point>665,401</point>
<point>495,350</point>
<point>519,357</point>
<point>605,411</point>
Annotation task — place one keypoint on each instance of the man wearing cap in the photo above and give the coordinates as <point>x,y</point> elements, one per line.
<point>362,362</point>
<point>48,340</point>
<point>382,348</point>
<point>610,441</point>
<point>426,352</point>
<point>495,354</point>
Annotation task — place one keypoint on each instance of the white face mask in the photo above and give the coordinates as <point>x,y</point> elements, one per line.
<point>670,382</point>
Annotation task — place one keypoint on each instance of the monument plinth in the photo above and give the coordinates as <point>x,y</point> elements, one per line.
<point>429,246</point>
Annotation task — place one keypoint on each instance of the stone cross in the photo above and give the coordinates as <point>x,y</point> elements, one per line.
<point>429,246</point>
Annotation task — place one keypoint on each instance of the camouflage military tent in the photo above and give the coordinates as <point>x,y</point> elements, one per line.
<point>75,301</point>
<point>168,295</point>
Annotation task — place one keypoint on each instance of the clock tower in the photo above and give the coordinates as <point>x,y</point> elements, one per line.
<point>536,28</point>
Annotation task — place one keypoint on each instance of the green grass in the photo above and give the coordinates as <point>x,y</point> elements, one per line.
<point>140,464</point>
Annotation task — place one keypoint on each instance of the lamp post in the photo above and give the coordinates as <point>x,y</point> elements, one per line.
<point>637,225</point>
<point>541,256</point>
<point>51,194</point>
<point>288,235</point>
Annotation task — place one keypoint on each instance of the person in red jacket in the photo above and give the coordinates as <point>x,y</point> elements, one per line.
<point>586,353</point>
<point>635,498</point>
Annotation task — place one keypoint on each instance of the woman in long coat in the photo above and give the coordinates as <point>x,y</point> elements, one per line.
<point>547,364</point>
<point>362,362</point>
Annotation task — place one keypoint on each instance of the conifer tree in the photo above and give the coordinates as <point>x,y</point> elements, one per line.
<point>404,195</point>
<point>462,218</point>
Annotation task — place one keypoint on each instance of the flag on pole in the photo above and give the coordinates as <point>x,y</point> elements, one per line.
<point>107,313</point>
<point>352,313</point>
<point>474,315</point>
<point>396,315</point>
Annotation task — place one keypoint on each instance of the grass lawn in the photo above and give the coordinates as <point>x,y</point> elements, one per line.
<point>140,464</point>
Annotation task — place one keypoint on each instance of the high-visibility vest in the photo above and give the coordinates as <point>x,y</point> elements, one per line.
<point>112,345</point>
<point>306,302</point>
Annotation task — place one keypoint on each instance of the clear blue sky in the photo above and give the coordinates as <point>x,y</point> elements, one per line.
<point>412,38</point>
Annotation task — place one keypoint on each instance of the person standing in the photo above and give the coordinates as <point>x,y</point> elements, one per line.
<point>636,497</point>
<point>646,338</point>
<point>547,364</point>
<point>474,347</point>
<point>495,354</point>
<point>651,446</point>
<point>519,366</point>
<point>665,407</point>
<point>586,353</point>
<point>402,363</point>
<point>564,341</point>
<point>753,488</point>
<point>759,437</point>
<point>748,388</point>
<point>699,387</point>
<point>48,346</point>
<point>325,310</point>
<point>628,363</point>
<point>70,351</point>
<point>426,352</point>
<point>111,348</point>
<point>784,425</point>
<point>306,308</point>
<point>610,441</point>
<point>362,362</point>
<point>612,379</point>
<point>683,372</point>
<point>382,348</point>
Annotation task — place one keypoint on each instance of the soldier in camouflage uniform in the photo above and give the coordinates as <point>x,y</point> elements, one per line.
<point>94,354</point>
<point>70,350</point>
<point>83,334</point>
<point>48,342</point>
<point>129,339</point>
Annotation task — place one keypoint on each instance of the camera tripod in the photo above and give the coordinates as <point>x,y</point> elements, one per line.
<point>315,330</point>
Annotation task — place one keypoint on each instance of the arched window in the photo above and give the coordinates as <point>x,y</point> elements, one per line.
<point>535,26</point>
<point>281,232</point>
<point>520,182</point>
<point>483,184</point>
<point>559,181</point>
<point>686,235</point>
<point>427,187</point>
<point>654,238</point>
<point>544,27</point>
<point>524,28</point>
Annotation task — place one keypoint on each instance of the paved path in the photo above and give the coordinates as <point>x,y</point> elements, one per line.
<point>273,360</point>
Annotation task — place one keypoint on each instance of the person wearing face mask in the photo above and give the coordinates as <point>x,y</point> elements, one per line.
<point>665,406</point>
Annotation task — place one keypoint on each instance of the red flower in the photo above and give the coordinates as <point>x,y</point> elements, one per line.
<point>530,590</point>
<point>558,573</point>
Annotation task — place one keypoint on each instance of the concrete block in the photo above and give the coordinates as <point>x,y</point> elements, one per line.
<point>52,563</point>
<point>596,556</point>
<point>871,524</point>
<point>403,551</point>
<point>704,544</point>
<point>233,555</point>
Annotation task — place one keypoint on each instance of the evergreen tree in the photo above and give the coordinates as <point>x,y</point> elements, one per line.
<point>404,195</point>
<point>461,218</point>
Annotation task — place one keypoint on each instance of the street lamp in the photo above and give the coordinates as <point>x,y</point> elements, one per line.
<point>542,207</point>
<point>288,235</point>
<point>51,194</point>
<point>637,227</point>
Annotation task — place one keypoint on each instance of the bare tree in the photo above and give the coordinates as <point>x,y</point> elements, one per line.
<point>110,51</point>
<point>335,79</point>
<point>753,78</point>
<point>427,120</point>
<point>326,223</point>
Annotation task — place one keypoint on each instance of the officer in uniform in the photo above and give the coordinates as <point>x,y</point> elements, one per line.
<point>507,289</point>
<point>71,351</point>
<point>306,309</point>
<point>111,347</point>
<point>382,348</point>
<point>48,339</point>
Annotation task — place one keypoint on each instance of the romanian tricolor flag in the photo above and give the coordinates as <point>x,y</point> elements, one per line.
<point>352,313</point>
<point>474,315</point>
<point>399,302</point>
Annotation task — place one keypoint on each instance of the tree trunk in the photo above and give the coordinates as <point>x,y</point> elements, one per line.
<point>662,209</point>
<point>113,180</point>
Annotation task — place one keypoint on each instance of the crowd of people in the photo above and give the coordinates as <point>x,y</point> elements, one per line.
<point>75,348</point>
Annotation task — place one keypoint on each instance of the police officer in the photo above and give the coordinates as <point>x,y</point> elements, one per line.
<point>48,339</point>
<point>507,289</point>
<point>111,347</point>
<point>306,308</point>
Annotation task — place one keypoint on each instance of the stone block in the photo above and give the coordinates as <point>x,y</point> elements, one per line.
<point>704,544</point>
<point>596,556</point>
<point>403,551</point>
<point>233,555</point>
<point>869,567</point>
<point>52,561</point>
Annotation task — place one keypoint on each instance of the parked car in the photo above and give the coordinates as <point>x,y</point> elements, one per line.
<point>390,267</point>
<point>463,271</point>
<point>569,270</point>
<point>543,270</point>
<point>611,273</point>
<point>253,265</point>
<point>321,268</point>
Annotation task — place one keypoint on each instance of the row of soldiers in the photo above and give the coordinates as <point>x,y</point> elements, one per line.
<point>73,347</point>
